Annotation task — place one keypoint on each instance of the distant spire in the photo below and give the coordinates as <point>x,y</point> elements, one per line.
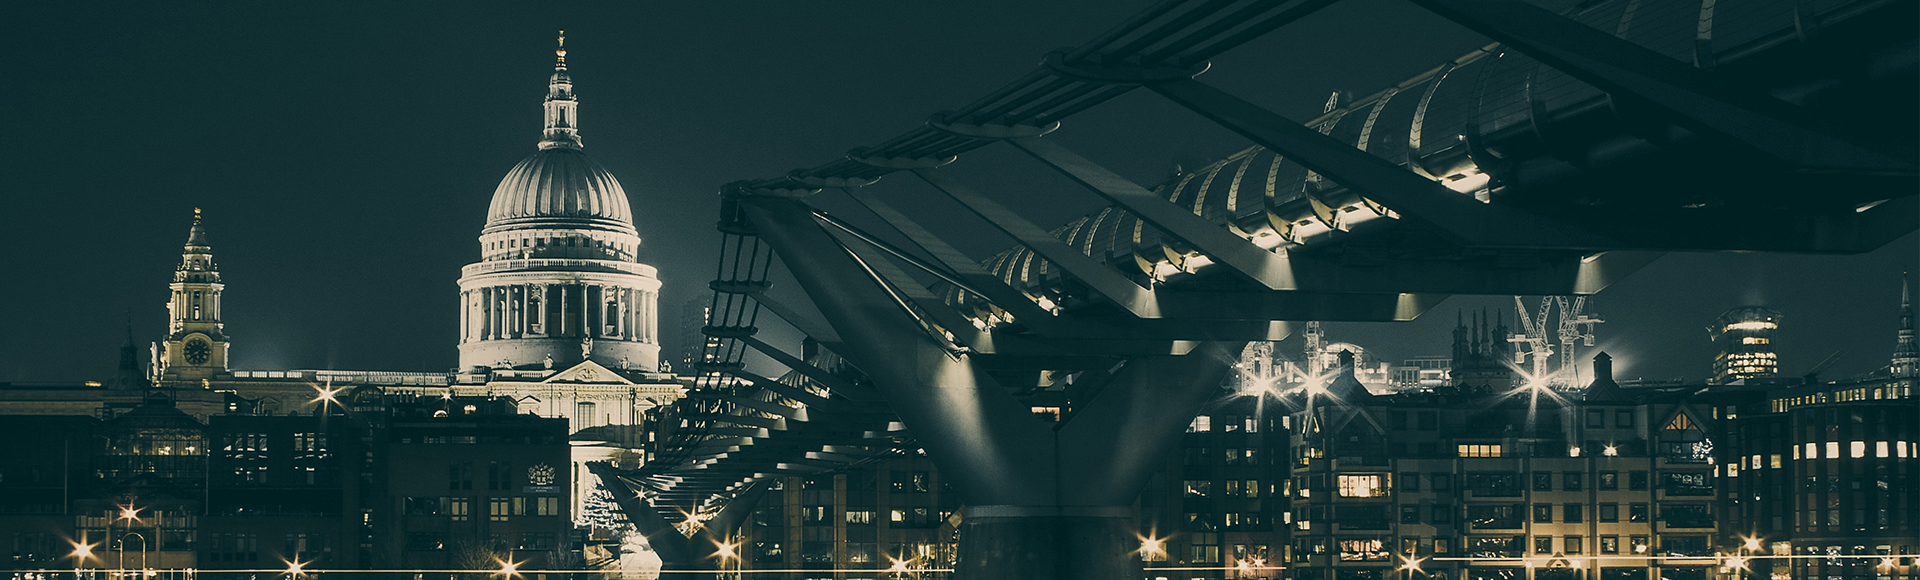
<point>1906,354</point>
<point>562,111</point>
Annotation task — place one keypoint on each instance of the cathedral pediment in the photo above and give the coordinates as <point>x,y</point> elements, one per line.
<point>588,372</point>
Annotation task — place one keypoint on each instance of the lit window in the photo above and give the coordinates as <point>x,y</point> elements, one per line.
<point>1200,424</point>
<point>1859,449</point>
<point>1833,450</point>
<point>1479,450</point>
<point>1370,485</point>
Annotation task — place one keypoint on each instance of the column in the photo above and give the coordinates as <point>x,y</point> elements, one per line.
<point>463,316</point>
<point>586,310</point>
<point>486,314</point>
<point>515,311</point>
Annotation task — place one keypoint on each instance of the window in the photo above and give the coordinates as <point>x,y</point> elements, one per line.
<point>422,506</point>
<point>1543,513</point>
<point>1609,544</point>
<point>1410,481</point>
<point>460,475</point>
<point>1494,484</point>
<point>1609,512</point>
<point>1199,488</point>
<point>1543,544</point>
<point>859,516</point>
<point>1442,514</point>
<point>538,541</point>
<point>1496,517</point>
<point>1368,485</point>
<point>1363,550</point>
<point>498,477</point>
<point>546,506</point>
<point>1543,481</point>
<point>1574,513</point>
<point>1609,480</point>
<point>1409,514</point>
<point>1572,545</point>
<point>1687,515</point>
<point>1475,450</point>
<point>1636,480</point>
<point>1637,513</point>
<point>1689,483</point>
<point>1596,419</point>
<point>457,509</point>
<point>1623,419</point>
<point>1200,424</point>
<point>498,509</point>
<point>1572,480</point>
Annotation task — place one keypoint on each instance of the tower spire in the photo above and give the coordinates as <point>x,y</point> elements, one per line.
<point>562,111</point>
<point>1906,353</point>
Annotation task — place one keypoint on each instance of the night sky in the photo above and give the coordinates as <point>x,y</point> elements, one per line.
<point>344,155</point>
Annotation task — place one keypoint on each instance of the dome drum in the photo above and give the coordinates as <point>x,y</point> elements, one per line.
<point>563,243</point>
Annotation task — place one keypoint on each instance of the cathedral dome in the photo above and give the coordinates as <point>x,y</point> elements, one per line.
<point>558,182</point>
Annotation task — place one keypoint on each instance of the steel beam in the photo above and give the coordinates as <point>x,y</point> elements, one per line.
<point>1097,276</point>
<point>1267,268</point>
<point>832,381</point>
<point>1693,96</point>
<point>1023,308</point>
<point>1466,220</point>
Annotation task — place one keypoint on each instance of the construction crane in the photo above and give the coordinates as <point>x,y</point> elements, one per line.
<point>1574,325</point>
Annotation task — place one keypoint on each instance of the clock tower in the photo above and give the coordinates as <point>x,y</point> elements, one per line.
<point>196,348</point>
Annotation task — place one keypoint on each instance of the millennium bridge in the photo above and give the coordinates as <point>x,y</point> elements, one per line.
<point>1578,147</point>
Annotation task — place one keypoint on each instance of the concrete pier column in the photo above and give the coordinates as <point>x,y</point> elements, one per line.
<point>1051,501</point>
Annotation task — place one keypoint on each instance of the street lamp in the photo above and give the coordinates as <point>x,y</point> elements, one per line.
<point>128,514</point>
<point>509,568</point>
<point>293,569</point>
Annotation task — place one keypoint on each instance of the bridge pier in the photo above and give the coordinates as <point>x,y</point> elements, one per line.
<point>1047,500</point>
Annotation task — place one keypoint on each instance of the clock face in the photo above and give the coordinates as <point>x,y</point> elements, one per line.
<point>198,351</point>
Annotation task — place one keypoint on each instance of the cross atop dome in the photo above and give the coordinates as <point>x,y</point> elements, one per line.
<point>562,111</point>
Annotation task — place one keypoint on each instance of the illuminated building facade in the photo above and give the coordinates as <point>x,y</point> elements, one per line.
<point>400,482</point>
<point>1220,501</point>
<point>1522,485</point>
<point>867,517</point>
<point>1822,478</point>
<point>1745,338</point>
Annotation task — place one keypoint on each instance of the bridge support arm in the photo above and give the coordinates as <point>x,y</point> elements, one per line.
<point>1461,217</point>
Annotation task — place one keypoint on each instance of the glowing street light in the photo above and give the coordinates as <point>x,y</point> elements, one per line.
<point>294,568</point>
<point>509,568</point>
<point>1753,544</point>
<point>727,550</point>
<point>327,395</point>
<point>129,513</point>
<point>1152,549</point>
<point>1410,563</point>
<point>82,551</point>
<point>1610,451</point>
